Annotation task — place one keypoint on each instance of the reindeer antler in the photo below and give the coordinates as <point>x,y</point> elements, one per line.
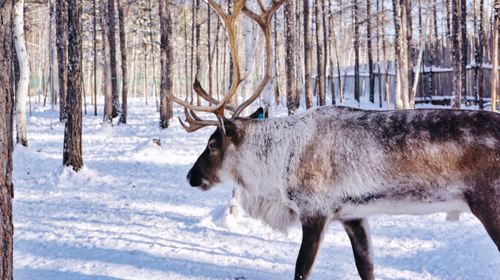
<point>229,21</point>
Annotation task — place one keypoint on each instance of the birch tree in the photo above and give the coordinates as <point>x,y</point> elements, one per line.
<point>24,73</point>
<point>401,50</point>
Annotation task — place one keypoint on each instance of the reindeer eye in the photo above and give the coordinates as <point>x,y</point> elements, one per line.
<point>212,145</point>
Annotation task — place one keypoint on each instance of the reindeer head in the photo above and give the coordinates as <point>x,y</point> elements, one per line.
<point>204,173</point>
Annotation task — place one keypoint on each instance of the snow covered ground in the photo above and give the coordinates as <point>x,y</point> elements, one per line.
<point>130,214</point>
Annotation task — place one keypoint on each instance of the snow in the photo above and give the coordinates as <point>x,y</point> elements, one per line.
<point>130,214</point>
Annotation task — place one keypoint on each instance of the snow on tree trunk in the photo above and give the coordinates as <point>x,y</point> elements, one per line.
<point>72,153</point>
<point>24,73</point>
<point>6,145</point>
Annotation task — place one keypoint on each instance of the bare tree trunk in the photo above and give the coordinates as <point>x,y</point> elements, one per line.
<point>6,145</point>
<point>72,154</point>
<point>370,52</point>
<point>186,51</point>
<point>386,69</point>
<point>209,52</point>
<point>463,48</point>
<point>401,50</point>
<point>379,75</point>
<point>325,47</point>
<point>290,57</point>
<point>54,86</point>
<point>494,55</point>
<point>166,59</point>
<point>197,47</point>
<point>448,19</point>
<point>112,55</point>
<point>276,64</point>
<point>479,57</point>
<point>457,69</point>
<point>24,71</point>
<point>62,54</point>
<point>332,46</point>
<point>123,51</point>
<point>191,76</point>
<point>320,53</point>
<point>357,88</point>
<point>152,42</point>
<point>307,55</point>
<point>146,74</point>
<point>95,54</point>
<point>106,71</point>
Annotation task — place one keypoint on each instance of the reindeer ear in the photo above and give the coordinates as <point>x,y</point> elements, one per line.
<point>231,131</point>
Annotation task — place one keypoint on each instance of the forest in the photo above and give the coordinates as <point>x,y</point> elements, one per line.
<point>82,80</point>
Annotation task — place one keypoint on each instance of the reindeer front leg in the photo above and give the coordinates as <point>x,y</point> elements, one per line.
<point>359,234</point>
<point>312,231</point>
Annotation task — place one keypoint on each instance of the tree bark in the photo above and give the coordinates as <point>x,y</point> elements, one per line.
<point>457,67</point>
<point>479,57</point>
<point>72,154</point>
<point>106,71</point>
<point>307,55</point>
<point>401,50</point>
<point>54,88</point>
<point>494,55</point>
<point>62,54</point>
<point>166,60</point>
<point>357,86</point>
<point>112,55</point>
<point>94,22</point>
<point>197,47</point>
<point>24,74</point>
<point>6,144</point>
<point>463,48</point>
<point>290,58</point>
<point>320,53</point>
<point>370,52</point>
<point>123,52</point>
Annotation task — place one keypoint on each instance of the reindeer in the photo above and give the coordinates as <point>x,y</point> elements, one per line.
<point>342,164</point>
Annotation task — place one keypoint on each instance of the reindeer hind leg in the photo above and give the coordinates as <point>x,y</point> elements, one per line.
<point>359,235</point>
<point>484,202</point>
